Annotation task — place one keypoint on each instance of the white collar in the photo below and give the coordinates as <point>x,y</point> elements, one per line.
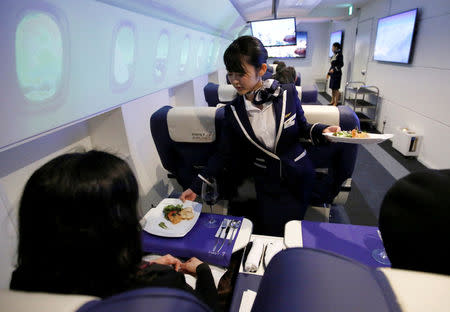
<point>250,107</point>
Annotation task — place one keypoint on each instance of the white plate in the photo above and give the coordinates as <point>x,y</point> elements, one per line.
<point>156,216</point>
<point>374,138</point>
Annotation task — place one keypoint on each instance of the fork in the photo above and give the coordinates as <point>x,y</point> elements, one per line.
<point>223,226</point>
<point>235,226</point>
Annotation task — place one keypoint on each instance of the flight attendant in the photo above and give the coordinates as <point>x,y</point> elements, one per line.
<point>335,73</point>
<point>262,128</point>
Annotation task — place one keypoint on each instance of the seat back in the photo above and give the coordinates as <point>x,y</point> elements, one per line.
<point>148,299</point>
<point>185,151</point>
<point>334,162</point>
<point>223,94</point>
<point>302,279</point>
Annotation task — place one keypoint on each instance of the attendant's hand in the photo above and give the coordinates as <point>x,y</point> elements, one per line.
<point>188,195</point>
<point>331,71</point>
<point>169,260</point>
<point>331,129</point>
<point>190,266</point>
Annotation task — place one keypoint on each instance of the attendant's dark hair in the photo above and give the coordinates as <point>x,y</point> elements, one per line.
<point>337,45</point>
<point>245,48</point>
<point>78,223</point>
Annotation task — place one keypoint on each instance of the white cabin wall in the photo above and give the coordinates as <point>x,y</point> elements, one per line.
<point>415,95</point>
<point>315,64</point>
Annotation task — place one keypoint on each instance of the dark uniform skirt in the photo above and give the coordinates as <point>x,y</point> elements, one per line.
<point>335,80</point>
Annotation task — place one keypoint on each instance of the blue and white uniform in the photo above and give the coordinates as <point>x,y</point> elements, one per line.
<point>283,172</point>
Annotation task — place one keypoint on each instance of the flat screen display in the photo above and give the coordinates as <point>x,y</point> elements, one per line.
<point>277,32</point>
<point>395,37</point>
<point>298,50</point>
<point>336,36</point>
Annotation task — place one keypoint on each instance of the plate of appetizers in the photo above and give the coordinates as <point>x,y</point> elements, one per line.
<point>357,137</point>
<point>172,218</point>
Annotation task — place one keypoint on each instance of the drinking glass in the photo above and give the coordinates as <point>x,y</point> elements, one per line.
<point>210,196</point>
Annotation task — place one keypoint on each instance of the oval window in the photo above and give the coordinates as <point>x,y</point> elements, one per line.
<point>39,56</point>
<point>124,54</point>
<point>162,52</point>
<point>210,52</point>
<point>200,59</point>
<point>184,53</point>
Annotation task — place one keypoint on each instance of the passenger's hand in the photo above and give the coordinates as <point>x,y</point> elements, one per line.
<point>168,260</point>
<point>190,266</point>
<point>188,195</point>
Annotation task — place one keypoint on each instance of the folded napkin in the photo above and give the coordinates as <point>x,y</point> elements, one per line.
<point>248,297</point>
<point>271,250</point>
<point>254,256</point>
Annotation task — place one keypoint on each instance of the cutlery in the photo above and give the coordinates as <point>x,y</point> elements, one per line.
<point>223,226</point>
<point>235,226</point>
<point>226,234</point>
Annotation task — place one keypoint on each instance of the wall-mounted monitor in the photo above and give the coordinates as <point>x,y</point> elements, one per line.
<point>298,50</point>
<point>395,36</point>
<point>336,36</point>
<point>275,32</point>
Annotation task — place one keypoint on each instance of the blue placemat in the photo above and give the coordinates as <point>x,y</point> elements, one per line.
<point>353,241</point>
<point>197,243</point>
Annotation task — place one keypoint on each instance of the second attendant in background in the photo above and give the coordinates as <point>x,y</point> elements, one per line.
<point>335,73</point>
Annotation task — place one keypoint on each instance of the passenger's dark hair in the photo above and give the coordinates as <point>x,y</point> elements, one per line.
<point>281,65</point>
<point>287,75</point>
<point>245,48</point>
<point>78,224</point>
<point>276,62</point>
<point>337,45</point>
<point>414,219</point>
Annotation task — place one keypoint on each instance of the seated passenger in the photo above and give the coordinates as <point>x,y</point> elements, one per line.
<point>414,220</point>
<point>79,233</point>
<point>281,65</point>
<point>286,75</point>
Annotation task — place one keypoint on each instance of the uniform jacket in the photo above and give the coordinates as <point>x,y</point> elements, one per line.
<point>239,145</point>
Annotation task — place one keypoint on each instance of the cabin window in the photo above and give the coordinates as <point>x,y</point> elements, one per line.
<point>39,56</point>
<point>162,52</point>
<point>210,52</point>
<point>184,53</point>
<point>200,59</point>
<point>124,54</point>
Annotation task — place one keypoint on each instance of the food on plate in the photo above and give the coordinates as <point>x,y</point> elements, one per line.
<point>176,213</point>
<point>187,213</point>
<point>355,133</point>
<point>163,225</point>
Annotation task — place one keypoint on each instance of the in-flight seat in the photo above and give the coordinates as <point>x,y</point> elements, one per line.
<point>304,279</point>
<point>148,299</point>
<point>185,138</point>
<point>223,94</point>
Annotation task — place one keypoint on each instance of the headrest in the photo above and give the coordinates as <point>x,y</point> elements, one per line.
<point>418,291</point>
<point>149,299</point>
<point>328,115</point>
<point>192,124</point>
<point>226,93</point>
<point>21,301</point>
<point>299,91</point>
